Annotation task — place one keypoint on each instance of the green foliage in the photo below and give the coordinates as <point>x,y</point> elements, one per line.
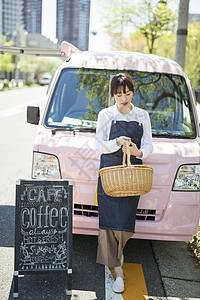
<point>192,66</point>
<point>150,27</point>
<point>7,60</point>
<point>29,63</point>
<point>165,45</point>
<point>164,95</point>
<point>136,42</point>
<point>47,64</point>
<point>6,63</point>
<point>194,246</point>
<point>26,63</point>
<point>4,42</point>
<point>151,18</point>
<point>97,87</point>
<point>116,17</point>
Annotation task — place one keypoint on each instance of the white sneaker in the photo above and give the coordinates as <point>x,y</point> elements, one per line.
<point>118,285</point>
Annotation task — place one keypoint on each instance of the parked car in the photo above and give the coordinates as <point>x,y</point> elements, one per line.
<point>45,79</point>
<point>64,143</point>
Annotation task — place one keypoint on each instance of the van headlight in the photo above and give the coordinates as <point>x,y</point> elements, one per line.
<point>45,166</point>
<point>187,178</point>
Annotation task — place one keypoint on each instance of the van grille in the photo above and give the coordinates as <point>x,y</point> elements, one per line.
<point>86,210</point>
<point>142,214</point>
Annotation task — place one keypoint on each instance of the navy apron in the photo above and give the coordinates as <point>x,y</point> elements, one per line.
<point>119,213</point>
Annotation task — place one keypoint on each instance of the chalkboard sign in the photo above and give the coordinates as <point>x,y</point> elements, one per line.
<point>43,227</point>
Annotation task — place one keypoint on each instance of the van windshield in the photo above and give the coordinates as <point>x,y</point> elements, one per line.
<point>81,93</point>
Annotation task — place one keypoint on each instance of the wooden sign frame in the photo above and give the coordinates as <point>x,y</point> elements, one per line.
<point>43,228</point>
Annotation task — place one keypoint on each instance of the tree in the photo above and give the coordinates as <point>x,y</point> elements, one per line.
<point>116,16</point>
<point>182,32</point>
<point>192,63</point>
<point>7,60</point>
<point>151,18</point>
<point>96,85</point>
<point>165,45</point>
<point>136,42</point>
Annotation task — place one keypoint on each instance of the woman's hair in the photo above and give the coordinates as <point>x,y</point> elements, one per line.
<point>121,79</point>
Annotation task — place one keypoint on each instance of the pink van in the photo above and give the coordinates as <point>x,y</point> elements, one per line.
<point>64,143</point>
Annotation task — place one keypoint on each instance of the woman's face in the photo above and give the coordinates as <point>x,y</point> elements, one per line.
<point>123,100</point>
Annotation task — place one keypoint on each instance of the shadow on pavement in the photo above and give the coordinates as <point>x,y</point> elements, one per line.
<point>87,276</point>
<point>42,286</point>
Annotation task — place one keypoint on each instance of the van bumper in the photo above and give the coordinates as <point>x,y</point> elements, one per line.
<point>179,221</point>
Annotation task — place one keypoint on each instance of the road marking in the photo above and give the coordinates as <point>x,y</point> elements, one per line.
<point>134,283</point>
<point>80,295</point>
<point>18,108</point>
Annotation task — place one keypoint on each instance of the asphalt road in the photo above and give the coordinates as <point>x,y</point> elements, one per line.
<point>168,268</point>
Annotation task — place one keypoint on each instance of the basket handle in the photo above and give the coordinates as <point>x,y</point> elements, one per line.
<point>128,155</point>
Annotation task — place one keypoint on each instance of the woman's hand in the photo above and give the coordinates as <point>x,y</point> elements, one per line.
<point>122,140</point>
<point>133,149</point>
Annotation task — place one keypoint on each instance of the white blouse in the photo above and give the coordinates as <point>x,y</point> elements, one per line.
<point>105,118</point>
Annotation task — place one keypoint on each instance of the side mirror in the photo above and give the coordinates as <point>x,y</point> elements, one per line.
<point>33,115</point>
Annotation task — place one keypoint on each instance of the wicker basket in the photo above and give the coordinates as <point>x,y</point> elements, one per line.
<point>126,180</point>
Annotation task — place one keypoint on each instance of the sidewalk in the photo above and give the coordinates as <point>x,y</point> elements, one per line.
<point>180,277</point>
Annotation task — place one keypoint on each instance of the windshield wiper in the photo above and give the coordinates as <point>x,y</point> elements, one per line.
<point>53,130</point>
<point>169,134</point>
<point>87,129</point>
<point>74,129</point>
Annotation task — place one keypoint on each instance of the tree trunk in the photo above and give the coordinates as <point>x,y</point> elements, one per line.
<point>182,32</point>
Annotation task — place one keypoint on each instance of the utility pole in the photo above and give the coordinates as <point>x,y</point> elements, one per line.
<point>181,41</point>
<point>16,70</point>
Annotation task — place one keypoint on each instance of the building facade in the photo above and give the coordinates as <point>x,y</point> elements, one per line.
<point>12,16</point>
<point>72,22</point>
<point>15,14</point>
<point>33,16</point>
<point>1,23</point>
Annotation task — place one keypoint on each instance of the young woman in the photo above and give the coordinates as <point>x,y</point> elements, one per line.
<point>117,124</point>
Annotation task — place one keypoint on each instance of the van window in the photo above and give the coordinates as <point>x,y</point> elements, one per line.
<point>81,93</point>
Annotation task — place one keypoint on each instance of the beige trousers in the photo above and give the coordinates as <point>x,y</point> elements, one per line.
<point>110,246</point>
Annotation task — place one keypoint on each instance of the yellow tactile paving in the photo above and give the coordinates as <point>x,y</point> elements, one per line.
<point>135,286</point>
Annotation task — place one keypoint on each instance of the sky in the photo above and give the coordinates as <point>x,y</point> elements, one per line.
<point>100,41</point>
